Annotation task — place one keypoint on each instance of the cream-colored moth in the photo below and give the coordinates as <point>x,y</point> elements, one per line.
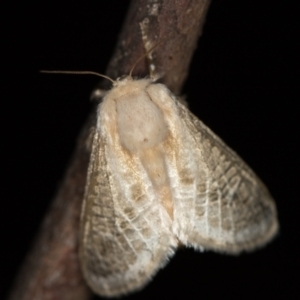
<point>157,178</point>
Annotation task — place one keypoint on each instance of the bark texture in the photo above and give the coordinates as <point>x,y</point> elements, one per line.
<point>51,269</point>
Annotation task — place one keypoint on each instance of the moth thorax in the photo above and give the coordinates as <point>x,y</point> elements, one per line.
<point>140,121</point>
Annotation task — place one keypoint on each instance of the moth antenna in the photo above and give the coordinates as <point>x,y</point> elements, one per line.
<point>78,73</point>
<point>143,56</point>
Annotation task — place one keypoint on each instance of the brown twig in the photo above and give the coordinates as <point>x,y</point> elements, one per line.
<point>51,270</point>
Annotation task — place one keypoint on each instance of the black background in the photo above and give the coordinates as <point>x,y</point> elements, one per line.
<point>242,84</point>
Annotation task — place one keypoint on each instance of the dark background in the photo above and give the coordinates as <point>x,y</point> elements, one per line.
<point>242,85</point>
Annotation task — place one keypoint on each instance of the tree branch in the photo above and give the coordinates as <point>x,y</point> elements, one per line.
<point>51,270</point>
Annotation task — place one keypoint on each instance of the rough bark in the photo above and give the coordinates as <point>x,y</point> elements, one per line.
<point>51,270</point>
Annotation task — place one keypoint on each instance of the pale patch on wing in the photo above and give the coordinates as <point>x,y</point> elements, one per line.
<point>232,209</point>
<point>125,234</point>
<point>182,166</point>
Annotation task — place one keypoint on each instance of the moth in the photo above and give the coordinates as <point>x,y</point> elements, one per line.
<point>157,178</point>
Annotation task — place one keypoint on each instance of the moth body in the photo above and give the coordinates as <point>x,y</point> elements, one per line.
<point>159,177</point>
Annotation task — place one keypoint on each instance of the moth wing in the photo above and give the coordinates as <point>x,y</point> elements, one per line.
<point>231,209</point>
<point>123,240</point>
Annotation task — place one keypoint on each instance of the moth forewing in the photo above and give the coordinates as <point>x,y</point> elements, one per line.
<point>127,236</point>
<point>233,211</point>
<point>158,176</point>
<point>219,203</point>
